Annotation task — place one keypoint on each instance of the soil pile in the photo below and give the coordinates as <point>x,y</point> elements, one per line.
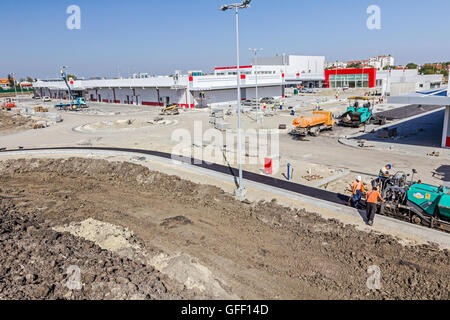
<point>10,121</point>
<point>252,251</point>
<point>40,263</point>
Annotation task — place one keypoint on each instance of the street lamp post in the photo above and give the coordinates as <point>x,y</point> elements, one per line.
<point>14,84</point>
<point>335,79</point>
<point>362,77</point>
<point>255,51</point>
<point>240,192</point>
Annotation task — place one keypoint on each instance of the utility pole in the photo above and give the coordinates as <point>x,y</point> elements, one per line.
<point>240,192</point>
<point>255,52</point>
<point>14,84</point>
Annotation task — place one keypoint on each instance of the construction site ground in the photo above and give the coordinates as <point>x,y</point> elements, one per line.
<point>195,238</point>
<point>189,240</point>
<point>323,161</point>
<point>11,122</point>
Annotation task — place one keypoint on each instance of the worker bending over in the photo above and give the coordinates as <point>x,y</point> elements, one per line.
<point>357,192</point>
<point>372,204</point>
<point>384,174</point>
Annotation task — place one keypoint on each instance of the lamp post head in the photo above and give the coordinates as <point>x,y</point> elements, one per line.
<point>245,4</point>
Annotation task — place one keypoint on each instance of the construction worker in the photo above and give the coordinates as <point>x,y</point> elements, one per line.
<point>384,172</point>
<point>372,204</point>
<point>357,192</point>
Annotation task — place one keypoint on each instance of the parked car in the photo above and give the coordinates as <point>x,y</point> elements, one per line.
<point>36,96</point>
<point>46,99</point>
<point>268,100</point>
<point>307,90</point>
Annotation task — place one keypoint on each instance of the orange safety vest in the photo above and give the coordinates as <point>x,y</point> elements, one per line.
<point>357,185</point>
<point>373,196</point>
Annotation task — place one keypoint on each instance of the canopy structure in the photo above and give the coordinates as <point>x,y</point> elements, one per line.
<point>436,97</point>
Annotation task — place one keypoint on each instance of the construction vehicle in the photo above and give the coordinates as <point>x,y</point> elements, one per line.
<point>8,104</point>
<point>313,125</point>
<point>416,202</point>
<point>171,110</point>
<point>75,104</point>
<point>360,112</point>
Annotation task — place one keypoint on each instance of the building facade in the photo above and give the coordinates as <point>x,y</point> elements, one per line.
<point>404,80</point>
<point>271,75</point>
<point>186,91</point>
<point>351,78</point>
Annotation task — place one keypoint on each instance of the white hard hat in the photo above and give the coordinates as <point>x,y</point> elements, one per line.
<point>358,178</point>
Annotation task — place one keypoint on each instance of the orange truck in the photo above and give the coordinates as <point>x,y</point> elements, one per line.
<point>313,125</point>
<point>8,104</point>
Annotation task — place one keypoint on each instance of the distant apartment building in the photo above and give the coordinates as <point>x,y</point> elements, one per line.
<point>379,62</point>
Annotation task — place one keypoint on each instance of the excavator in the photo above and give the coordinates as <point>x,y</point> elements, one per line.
<point>313,125</point>
<point>171,110</point>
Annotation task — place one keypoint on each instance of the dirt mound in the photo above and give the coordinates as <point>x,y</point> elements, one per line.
<point>204,239</point>
<point>10,121</point>
<point>40,263</point>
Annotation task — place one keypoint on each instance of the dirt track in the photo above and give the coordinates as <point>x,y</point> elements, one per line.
<point>198,236</point>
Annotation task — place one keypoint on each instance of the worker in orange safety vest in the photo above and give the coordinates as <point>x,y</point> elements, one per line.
<point>357,192</point>
<point>372,204</point>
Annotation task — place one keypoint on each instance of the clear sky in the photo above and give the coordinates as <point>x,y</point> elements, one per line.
<point>159,37</point>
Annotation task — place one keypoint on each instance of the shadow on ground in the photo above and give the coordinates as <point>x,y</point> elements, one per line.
<point>422,131</point>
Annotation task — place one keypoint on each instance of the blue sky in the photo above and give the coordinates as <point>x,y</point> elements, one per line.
<point>162,36</point>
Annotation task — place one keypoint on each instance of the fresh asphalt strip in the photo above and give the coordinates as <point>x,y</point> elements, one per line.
<point>332,197</point>
<point>406,112</point>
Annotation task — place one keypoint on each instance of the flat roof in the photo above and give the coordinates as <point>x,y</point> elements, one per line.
<point>436,97</point>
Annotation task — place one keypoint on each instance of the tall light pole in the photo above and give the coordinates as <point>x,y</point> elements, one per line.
<point>362,77</point>
<point>14,83</point>
<point>240,192</point>
<point>335,79</point>
<point>255,52</point>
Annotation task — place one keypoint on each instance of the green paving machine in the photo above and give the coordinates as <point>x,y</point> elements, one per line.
<point>416,202</point>
<point>360,112</point>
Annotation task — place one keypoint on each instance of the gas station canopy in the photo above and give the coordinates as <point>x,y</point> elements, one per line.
<point>437,97</point>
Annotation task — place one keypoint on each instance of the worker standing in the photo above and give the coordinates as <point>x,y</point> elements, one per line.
<point>372,203</point>
<point>357,192</point>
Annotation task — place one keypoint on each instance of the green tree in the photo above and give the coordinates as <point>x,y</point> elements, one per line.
<point>30,79</point>
<point>427,69</point>
<point>11,81</point>
<point>389,67</point>
<point>74,77</point>
<point>354,66</point>
<point>412,65</point>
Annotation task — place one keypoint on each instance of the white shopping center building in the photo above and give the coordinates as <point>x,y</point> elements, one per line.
<point>271,75</point>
